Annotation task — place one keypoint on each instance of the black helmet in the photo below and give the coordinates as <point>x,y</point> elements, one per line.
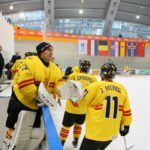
<point>108,71</point>
<point>84,65</point>
<point>28,54</point>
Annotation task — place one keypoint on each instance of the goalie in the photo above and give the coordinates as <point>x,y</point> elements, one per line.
<point>35,69</point>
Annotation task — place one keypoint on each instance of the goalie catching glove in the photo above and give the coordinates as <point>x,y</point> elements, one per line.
<point>71,90</point>
<point>45,98</point>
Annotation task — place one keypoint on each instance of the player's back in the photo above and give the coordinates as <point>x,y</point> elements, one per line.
<point>107,104</point>
<point>85,79</point>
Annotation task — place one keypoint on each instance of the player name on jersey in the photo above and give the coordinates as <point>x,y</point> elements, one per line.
<point>111,88</point>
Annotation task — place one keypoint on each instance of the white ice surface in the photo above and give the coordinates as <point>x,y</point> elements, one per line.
<point>138,88</point>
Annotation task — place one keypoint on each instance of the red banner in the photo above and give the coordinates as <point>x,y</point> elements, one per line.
<point>26,32</point>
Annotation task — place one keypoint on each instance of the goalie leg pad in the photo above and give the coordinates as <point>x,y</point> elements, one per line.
<point>22,133</point>
<point>37,136</point>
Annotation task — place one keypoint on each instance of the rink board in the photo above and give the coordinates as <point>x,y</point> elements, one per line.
<point>5,93</point>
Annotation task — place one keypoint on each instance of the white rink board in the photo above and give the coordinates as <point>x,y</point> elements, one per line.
<point>4,99</point>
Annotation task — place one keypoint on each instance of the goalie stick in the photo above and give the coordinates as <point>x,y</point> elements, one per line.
<point>51,133</point>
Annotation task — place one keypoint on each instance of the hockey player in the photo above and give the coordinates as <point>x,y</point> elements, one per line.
<point>70,70</point>
<point>16,66</point>
<point>75,112</point>
<point>108,110</point>
<point>126,70</point>
<point>28,54</point>
<point>34,70</point>
<point>76,69</point>
<point>1,62</point>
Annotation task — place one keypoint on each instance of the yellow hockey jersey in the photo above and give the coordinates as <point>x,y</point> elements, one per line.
<point>76,69</point>
<point>32,72</point>
<point>85,79</point>
<point>107,108</point>
<point>16,66</point>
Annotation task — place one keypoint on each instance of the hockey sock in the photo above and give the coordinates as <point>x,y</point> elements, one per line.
<point>77,131</point>
<point>9,133</point>
<point>64,134</point>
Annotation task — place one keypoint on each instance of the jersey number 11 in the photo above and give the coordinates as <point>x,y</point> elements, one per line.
<point>109,100</point>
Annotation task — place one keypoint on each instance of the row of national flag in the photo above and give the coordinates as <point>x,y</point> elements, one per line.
<point>111,48</point>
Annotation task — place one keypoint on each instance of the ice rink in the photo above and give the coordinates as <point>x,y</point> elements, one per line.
<point>138,88</point>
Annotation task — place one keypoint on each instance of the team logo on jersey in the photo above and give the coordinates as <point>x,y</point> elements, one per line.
<point>24,67</point>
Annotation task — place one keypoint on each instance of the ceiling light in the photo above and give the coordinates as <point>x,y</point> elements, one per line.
<point>22,15</point>
<point>11,7</point>
<point>81,11</point>
<point>141,7</point>
<point>82,1</point>
<point>138,17</point>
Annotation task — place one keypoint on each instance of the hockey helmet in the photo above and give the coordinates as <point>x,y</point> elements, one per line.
<point>28,54</point>
<point>108,71</point>
<point>84,65</point>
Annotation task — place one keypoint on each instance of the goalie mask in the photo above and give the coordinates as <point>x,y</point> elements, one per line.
<point>84,65</point>
<point>108,71</point>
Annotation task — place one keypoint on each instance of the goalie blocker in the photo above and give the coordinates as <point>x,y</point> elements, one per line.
<point>46,98</point>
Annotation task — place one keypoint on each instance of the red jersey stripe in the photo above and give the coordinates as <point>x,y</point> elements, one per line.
<point>24,85</point>
<point>25,81</point>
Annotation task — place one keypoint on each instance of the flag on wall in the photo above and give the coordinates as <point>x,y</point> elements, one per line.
<point>131,49</point>
<point>113,50</point>
<point>92,48</point>
<point>103,48</point>
<point>82,46</point>
<point>140,49</point>
<point>122,49</point>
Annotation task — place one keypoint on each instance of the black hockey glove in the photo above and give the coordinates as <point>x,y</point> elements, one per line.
<point>124,131</point>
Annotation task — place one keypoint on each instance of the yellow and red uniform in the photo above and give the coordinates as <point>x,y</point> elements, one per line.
<point>29,78</point>
<point>107,108</point>
<point>16,66</point>
<point>76,69</point>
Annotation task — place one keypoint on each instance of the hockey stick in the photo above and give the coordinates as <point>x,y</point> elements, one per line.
<point>125,143</point>
<point>51,133</point>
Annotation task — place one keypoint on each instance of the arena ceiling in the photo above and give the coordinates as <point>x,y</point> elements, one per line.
<point>125,10</point>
